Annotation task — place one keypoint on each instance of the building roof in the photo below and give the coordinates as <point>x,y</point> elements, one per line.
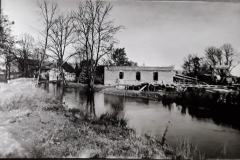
<point>68,68</point>
<point>139,68</point>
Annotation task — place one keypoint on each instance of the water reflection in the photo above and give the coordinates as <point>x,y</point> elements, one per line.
<point>116,106</point>
<point>222,116</point>
<point>183,110</point>
<point>90,106</point>
<point>56,90</point>
<point>226,117</point>
<point>210,129</point>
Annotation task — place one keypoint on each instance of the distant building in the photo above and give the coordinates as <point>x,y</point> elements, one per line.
<point>69,72</point>
<point>134,75</point>
<point>70,76</point>
<point>54,74</point>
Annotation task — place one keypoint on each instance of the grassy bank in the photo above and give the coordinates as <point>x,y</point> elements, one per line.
<point>34,124</point>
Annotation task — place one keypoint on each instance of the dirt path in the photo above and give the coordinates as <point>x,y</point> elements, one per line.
<point>9,146</point>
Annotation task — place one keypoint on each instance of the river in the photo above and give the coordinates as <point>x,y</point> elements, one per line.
<point>214,133</point>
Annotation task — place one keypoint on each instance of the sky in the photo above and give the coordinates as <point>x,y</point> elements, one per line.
<point>156,33</point>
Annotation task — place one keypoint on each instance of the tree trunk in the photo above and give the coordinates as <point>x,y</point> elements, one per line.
<point>91,83</point>
<point>78,81</point>
<point>62,76</point>
<point>9,71</point>
<point>39,73</point>
<point>6,72</point>
<point>43,56</point>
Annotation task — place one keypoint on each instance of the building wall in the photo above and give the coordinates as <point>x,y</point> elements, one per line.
<point>69,76</point>
<point>111,77</point>
<point>54,75</point>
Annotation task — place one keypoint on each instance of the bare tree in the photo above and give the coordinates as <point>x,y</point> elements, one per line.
<point>221,56</point>
<point>37,53</point>
<point>24,53</point>
<point>48,11</point>
<point>213,56</point>
<point>80,58</point>
<point>228,55</point>
<point>95,33</point>
<point>61,37</point>
<point>192,65</point>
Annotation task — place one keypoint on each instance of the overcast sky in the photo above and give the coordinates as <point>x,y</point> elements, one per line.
<point>157,33</point>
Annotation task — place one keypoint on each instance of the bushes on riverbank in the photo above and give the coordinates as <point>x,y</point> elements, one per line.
<point>202,97</point>
<point>196,96</point>
<point>44,128</point>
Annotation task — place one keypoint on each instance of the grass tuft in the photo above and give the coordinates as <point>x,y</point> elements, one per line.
<point>186,150</point>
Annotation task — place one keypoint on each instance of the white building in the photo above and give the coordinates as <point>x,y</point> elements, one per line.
<point>134,75</point>
<point>54,75</point>
<point>69,76</point>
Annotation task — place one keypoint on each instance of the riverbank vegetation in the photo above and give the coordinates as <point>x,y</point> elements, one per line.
<point>207,96</point>
<point>214,67</point>
<point>40,126</point>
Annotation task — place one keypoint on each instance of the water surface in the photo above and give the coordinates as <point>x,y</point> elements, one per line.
<point>215,133</point>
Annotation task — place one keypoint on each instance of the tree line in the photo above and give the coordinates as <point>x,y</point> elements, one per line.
<point>214,67</point>
<point>85,34</point>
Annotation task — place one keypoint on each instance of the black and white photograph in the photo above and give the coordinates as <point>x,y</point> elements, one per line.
<point>120,79</point>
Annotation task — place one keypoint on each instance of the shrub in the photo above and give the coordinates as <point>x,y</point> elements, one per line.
<point>112,119</point>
